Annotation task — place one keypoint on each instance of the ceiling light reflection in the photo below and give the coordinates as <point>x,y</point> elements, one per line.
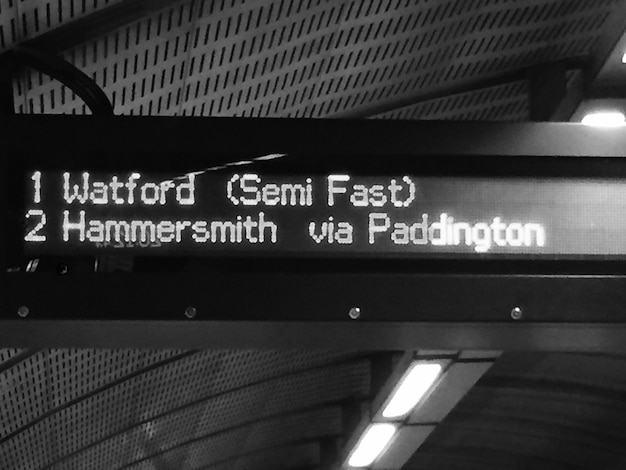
<point>604,119</point>
<point>373,442</point>
<point>417,380</point>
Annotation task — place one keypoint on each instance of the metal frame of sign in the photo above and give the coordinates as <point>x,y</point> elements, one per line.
<point>354,304</point>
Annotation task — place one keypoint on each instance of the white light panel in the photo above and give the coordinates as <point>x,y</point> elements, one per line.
<point>604,119</point>
<point>407,440</point>
<point>417,380</point>
<point>374,441</point>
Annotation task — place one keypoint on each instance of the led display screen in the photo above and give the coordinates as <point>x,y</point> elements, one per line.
<point>243,211</point>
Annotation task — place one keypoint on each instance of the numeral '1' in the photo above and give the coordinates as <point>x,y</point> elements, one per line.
<point>37,179</point>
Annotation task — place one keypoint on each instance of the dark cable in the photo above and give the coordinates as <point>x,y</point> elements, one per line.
<point>59,69</point>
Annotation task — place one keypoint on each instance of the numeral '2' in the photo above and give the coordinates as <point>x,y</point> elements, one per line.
<point>32,235</point>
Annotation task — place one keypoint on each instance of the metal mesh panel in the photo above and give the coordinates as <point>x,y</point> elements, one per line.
<point>316,58</point>
<point>65,375</point>
<point>8,354</point>
<point>264,436</point>
<point>504,102</point>
<point>24,394</point>
<point>50,381</point>
<point>211,411</point>
<point>81,409</point>
<point>303,456</point>
<point>25,19</point>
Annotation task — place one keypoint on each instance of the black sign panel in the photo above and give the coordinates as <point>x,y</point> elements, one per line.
<point>305,220</point>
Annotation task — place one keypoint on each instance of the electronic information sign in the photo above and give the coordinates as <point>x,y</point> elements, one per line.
<point>207,213</point>
<point>263,222</point>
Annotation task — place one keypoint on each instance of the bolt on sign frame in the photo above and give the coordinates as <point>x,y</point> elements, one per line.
<point>225,232</point>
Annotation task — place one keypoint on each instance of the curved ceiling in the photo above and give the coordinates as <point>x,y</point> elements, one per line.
<point>463,59</point>
<point>557,411</point>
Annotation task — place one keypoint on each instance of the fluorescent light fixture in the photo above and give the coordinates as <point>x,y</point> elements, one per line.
<point>624,58</point>
<point>373,442</point>
<point>411,389</point>
<point>605,119</point>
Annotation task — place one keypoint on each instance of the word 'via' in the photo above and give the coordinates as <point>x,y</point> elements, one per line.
<point>331,232</point>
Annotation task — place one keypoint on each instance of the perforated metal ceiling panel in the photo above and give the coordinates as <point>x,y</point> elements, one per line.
<point>7,354</point>
<point>99,409</point>
<point>310,58</point>
<point>508,102</point>
<point>24,19</point>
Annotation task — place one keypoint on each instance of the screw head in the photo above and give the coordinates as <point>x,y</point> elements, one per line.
<point>190,312</point>
<point>354,313</point>
<point>62,269</point>
<point>516,313</point>
<point>23,311</point>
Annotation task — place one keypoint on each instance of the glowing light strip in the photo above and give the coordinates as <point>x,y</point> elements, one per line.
<point>604,119</point>
<point>417,380</point>
<point>374,441</point>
